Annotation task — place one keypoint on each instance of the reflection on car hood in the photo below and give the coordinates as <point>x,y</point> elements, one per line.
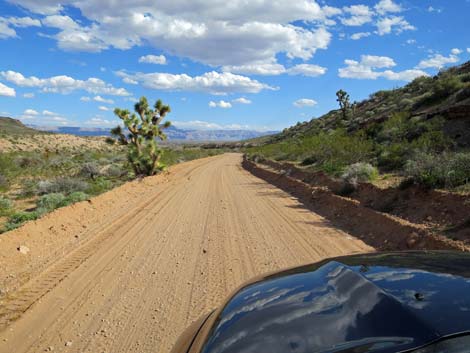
<point>370,303</point>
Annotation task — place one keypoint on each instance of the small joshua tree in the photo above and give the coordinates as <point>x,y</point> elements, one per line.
<point>145,127</point>
<point>344,104</point>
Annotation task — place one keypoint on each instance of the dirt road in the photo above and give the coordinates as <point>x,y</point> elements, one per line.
<point>143,261</point>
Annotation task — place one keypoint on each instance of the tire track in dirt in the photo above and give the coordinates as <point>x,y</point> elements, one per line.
<point>185,243</point>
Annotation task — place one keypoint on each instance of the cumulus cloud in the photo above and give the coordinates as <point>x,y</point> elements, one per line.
<point>103,100</point>
<point>100,121</point>
<point>384,6</point>
<point>210,82</point>
<point>30,112</point>
<point>304,102</point>
<point>395,24</point>
<point>358,15</point>
<point>103,108</point>
<point>260,30</point>
<point>46,117</point>
<point>367,67</point>
<point>438,60</point>
<point>241,100</point>
<point>221,104</point>
<point>272,69</point>
<point>63,84</point>
<point>153,59</point>
<point>359,35</point>
<point>310,70</point>
<point>7,91</point>
<point>28,95</point>
<point>6,24</point>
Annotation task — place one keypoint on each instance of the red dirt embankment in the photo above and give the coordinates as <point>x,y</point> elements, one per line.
<point>381,230</point>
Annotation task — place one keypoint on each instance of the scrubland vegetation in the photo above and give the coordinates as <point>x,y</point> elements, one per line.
<point>33,183</point>
<point>410,132</point>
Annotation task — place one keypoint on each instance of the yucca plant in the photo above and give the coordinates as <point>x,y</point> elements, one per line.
<point>145,128</point>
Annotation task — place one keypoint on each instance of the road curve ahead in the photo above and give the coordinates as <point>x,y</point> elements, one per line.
<point>183,245</point>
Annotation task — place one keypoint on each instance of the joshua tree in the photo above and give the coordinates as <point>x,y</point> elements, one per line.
<point>145,127</point>
<point>343,100</point>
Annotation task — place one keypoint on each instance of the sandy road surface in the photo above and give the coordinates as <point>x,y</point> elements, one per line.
<point>136,281</point>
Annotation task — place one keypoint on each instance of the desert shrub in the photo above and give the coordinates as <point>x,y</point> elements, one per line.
<point>18,218</point>
<point>406,103</point>
<point>90,170</point>
<point>463,94</point>
<point>115,171</point>
<point>76,196</point>
<point>465,77</point>
<point>359,172</point>
<point>110,141</point>
<point>442,88</point>
<point>49,202</point>
<point>98,186</point>
<point>28,161</point>
<point>393,156</point>
<point>333,151</point>
<point>61,185</point>
<point>443,170</point>
<point>5,206</point>
<point>3,181</point>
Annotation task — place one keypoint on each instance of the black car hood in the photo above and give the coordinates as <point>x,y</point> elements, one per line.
<point>371,303</point>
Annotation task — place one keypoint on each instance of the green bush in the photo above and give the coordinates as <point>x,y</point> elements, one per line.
<point>74,197</point>
<point>442,170</point>
<point>360,172</point>
<point>18,218</point>
<point>98,186</point>
<point>5,206</point>
<point>49,202</point>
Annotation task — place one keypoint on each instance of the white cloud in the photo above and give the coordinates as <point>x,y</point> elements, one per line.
<point>29,95</point>
<point>210,82</point>
<point>103,108</point>
<point>433,9</point>
<point>46,117</point>
<point>385,6</point>
<point>63,84</point>
<point>437,60</point>
<point>241,100</point>
<point>256,69</point>
<point>304,102</point>
<point>411,41</point>
<point>367,67</point>
<point>359,15</point>
<point>468,50</point>
<point>310,70</point>
<point>100,121</point>
<point>30,112</point>
<point>85,99</point>
<point>276,69</point>
<point>7,91</point>
<point>6,24</point>
<point>49,113</point>
<point>221,104</point>
<point>260,30</point>
<point>396,24</point>
<point>360,35</point>
<point>103,100</point>
<point>153,59</point>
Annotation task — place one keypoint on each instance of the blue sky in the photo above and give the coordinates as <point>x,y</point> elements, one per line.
<point>261,64</point>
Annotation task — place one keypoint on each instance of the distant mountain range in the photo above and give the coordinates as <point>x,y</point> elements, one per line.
<point>173,133</point>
